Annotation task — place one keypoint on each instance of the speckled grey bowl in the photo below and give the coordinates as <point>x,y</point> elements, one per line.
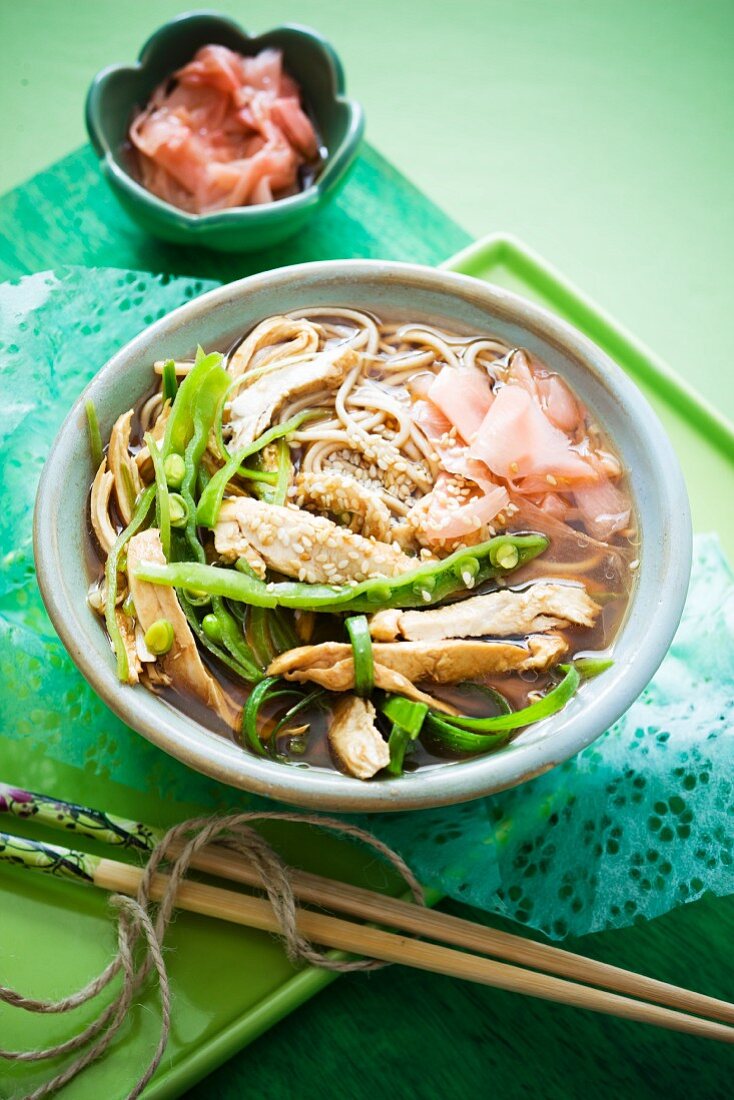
<point>391,289</point>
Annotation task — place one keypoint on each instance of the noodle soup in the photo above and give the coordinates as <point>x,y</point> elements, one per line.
<point>362,543</point>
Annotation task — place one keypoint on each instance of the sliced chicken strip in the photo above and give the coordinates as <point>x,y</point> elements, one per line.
<point>350,500</point>
<point>340,677</point>
<point>355,740</point>
<point>99,507</point>
<point>128,484</point>
<point>542,607</point>
<point>152,602</point>
<point>447,662</point>
<point>310,548</point>
<point>256,404</point>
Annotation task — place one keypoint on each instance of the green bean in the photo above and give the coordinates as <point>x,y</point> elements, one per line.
<point>95,439</point>
<point>180,426</point>
<point>410,589</point>
<point>111,567</point>
<point>260,636</point>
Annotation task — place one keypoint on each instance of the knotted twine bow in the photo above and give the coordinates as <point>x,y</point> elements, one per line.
<point>139,925</point>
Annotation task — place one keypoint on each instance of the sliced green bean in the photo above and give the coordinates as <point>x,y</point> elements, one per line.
<point>445,578</point>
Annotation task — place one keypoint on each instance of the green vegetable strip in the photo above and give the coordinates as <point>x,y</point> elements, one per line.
<point>180,426</point>
<point>405,712</point>
<point>312,698</point>
<point>163,510</point>
<point>282,631</point>
<point>263,693</point>
<point>459,740</point>
<point>260,636</point>
<point>589,667</point>
<point>95,439</point>
<point>553,701</point>
<point>364,665</point>
<point>407,719</point>
<point>406,590</point>
<point>204,410</point>
<point>111,567</point>
<point>277,492</point>
<point>211,498</point>
<point>170,382</point>
<point>216,650</point>
<point>234,640</point>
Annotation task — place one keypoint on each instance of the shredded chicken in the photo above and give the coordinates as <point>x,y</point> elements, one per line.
<point>310,548</point>
<point>182,663</point>
<point>355,740</point>
<point>359,507</point>
<point>447,662</point>
<point>283,337</point>
<point>542,607</point>
<point>274,385</point>
<point>143,460</point>
<point>99,507</point>
<point>339,676</point>
<point>123,467</point>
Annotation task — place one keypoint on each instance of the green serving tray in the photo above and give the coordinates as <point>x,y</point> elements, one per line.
<point>230,984</point>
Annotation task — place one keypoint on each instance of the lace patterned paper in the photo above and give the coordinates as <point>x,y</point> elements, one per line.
<point>638,823</point>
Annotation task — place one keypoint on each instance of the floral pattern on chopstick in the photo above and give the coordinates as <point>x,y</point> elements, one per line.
<point>37,856</point>
<point>58,814</point>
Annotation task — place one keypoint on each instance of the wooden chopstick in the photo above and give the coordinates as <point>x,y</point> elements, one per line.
<point>214,901</point>
<point>369,905</point>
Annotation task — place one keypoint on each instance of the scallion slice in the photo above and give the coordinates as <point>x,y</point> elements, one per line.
<point>364,665</point>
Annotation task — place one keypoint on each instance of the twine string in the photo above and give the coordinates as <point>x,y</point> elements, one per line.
<point>141,929</point>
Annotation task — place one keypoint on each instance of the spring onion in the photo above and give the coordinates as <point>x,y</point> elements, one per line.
<point>261,694</point>
<point>553,701</point>
<point>364,665</point>
<point>407,719</point>
<point>95,439</point>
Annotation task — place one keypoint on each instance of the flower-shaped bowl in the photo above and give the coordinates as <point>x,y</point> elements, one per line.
<point>118,90</point>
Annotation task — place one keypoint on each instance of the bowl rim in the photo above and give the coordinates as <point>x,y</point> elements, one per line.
<point>221,759</point>
<point>335,165</point>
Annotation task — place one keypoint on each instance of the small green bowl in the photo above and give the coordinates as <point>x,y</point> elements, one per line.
<point>116,91</point>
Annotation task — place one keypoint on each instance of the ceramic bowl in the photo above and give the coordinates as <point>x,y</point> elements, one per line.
<point>116,91</point>
<point>389,289</point>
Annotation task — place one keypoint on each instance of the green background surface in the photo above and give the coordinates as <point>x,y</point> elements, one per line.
<point>602,135</point>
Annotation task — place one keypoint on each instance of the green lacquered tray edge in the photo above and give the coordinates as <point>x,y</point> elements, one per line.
<point>504,248</point>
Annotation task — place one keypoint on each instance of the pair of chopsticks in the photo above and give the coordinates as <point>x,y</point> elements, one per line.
<point>516,964</point>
